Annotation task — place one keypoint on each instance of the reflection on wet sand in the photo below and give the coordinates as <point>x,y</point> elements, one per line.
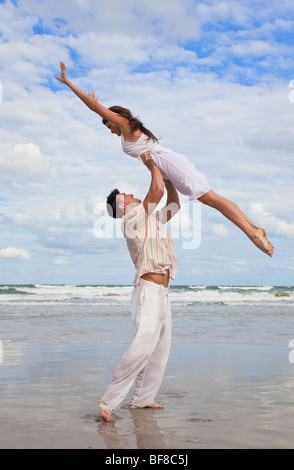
<point>214,396</point>
<point>145,430</point>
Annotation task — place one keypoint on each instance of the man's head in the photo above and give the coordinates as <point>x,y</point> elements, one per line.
<point>120,203</point>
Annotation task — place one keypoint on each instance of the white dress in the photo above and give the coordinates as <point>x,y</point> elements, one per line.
<point>173,166</point>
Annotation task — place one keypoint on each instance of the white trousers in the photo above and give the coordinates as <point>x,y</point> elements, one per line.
<point>145,359</point>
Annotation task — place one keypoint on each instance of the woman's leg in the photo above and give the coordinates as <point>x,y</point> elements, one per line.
<point>232,212</point>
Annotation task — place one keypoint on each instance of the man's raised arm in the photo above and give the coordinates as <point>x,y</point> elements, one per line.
<point>156,189</point>
<point>172,203</point>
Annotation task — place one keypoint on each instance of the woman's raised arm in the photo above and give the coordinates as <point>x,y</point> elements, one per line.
<point>91,100</point>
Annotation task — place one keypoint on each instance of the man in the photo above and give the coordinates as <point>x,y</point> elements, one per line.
<point>155,260</point>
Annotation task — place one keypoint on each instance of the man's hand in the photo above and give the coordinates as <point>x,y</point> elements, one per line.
<point>148,160</point>
<point>63,79</point>
<point>156,189</point>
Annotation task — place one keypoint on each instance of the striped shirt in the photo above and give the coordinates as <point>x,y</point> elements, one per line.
<point>149,243</point>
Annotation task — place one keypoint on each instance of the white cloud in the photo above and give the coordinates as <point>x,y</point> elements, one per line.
<point>215,11</point>
<point>101,49</point>
<point>220,229</point>
<point>62,260</point>
<point>14,25</point>
<point>253,47</point>
<point>23,160</point>
<point>12,252</point>
<point>275,225</point>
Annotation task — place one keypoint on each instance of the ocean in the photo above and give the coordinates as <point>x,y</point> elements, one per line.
<point>101,314</point>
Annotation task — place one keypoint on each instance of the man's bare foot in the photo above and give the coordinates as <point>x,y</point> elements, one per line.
<point>262,242</point>
<point>105,415</point>
<point>154,405</point>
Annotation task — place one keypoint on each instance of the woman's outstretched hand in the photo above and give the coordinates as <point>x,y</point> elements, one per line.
<point>92,95</point>
<point>63,79</point>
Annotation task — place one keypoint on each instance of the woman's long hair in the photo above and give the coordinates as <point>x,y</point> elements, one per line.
<point>134,122</point>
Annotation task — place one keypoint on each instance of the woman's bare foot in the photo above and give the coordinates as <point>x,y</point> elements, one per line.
<point>232,212</point>
<point>262,242</point>
<point>105,415</point>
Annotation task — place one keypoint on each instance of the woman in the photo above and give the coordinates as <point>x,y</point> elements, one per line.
<point>136,140</point>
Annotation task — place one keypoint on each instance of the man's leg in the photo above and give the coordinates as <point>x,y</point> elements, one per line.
<point>148,325</point>
<point>150,378</point>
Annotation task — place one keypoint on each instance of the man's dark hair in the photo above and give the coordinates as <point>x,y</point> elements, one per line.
<point>112,210</point>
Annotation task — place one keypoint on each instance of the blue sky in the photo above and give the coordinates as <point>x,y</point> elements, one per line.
<point>211,78</point>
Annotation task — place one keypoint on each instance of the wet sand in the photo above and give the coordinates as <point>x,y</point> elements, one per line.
<point>215,396</point>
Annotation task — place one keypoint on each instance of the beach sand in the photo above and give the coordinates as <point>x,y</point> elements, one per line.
<point>216,396</point>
